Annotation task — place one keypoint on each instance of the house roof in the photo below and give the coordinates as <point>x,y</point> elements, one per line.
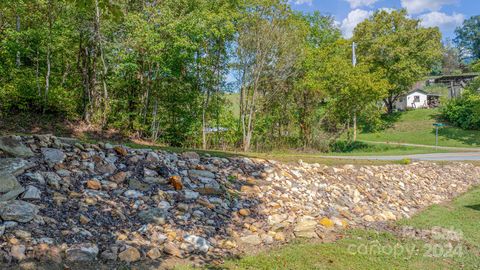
<point>423,92</point>
<point>448,78</point>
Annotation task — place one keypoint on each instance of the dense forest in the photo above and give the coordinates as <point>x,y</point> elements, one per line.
<point>162,70</point>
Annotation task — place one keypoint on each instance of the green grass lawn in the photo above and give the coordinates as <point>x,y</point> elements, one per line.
<point>416,127</point>
<point>366,249</point>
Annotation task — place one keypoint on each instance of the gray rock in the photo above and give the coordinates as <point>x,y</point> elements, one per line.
<point>252,239</point>
<point>191,195</point>
<point>18,211</point>
<point>191,155</point>
<point>82,252</point>
<point>52,155</point>
<point>9,187</point>
<point>32,193</point>
<point>155,180</point>
<point>196,243</point>
<point>152,157</point>
<point>52,179</point>
<point>132,194</point>
<point>13,145</point>
<point>153,215</point>
<point>14,166</point>
<point>37,177</point>
<point>105,168</point>
<point>149,173</point>
<point>201,174</point>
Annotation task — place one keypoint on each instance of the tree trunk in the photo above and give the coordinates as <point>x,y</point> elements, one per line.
<point>17,61</point>
<point>354,126</point>
<point>105,69</point>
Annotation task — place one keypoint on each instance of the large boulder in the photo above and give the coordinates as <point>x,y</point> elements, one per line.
<point>13,145</point>
<point>52,155</point>
<point>14,166</point>
<point>19,211</point>
<point>82,252</point>
<point>9,187</point>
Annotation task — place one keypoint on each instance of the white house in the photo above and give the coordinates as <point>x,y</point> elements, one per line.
<point>417,99</point>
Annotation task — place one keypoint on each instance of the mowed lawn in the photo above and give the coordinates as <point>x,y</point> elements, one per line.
<point>416,127</point>
<point>367,249</point>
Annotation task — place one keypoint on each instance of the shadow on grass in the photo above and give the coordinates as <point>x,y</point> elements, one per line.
<point>470,137</point>
<point>474,207</point>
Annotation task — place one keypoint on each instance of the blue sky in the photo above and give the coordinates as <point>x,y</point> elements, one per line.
<point>446,14</point>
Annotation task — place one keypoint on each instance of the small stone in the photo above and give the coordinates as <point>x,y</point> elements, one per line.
<point>14,146</point>
<point>130,254</point>
<point>171,249</point>
<point>84,220</point>
<point>191,155</point>
<point>279,236</point>
<point>197,243</point>
<point>82,252</point>
<point>152,157</point>
<point>121,150</point>
<point>32,193</point>
<point>327,223</point>
<point>149,173</point>
<point>176,182</point>
<point>19,211</point>
<point>244,212</point>
<point>132,194</point>
<point>191,195</point>
<point>153,215</point>
<point>201,174</point>
<point>252,239</point>
<point>52,155</point>
<point>94,184</point>
<point>52,179</point>
<point>368,218</point>
<point>118,177</point>
<point>154,253</point>
<point>18,252</point>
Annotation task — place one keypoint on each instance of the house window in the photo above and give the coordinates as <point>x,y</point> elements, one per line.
<point>416,99</point>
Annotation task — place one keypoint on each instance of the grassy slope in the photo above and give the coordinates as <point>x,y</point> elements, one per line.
<point>463,214</point>
<point>416,127</point>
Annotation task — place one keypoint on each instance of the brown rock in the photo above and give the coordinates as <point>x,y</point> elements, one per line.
<point>244,212</point>
<point>121,150</point>
<point>94,184</point>
<point>171,249</point>
<point>18,252</point>
<point>84,220</point>
<point>118,177</point>
<point>176,182</point>
<point>130,254</point>
<point>154,253</point>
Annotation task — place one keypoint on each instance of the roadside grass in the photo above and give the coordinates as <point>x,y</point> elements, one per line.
<point>368,249</point>
<point>416,127</point>
<point>294,156</point>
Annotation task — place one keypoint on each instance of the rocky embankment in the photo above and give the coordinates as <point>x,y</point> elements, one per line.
<point>69,202</point>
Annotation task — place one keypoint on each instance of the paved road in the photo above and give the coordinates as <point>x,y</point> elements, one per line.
<point>462,149</point>
<point>434,157</point>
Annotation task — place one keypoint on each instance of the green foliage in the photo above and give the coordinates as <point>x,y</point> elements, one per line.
<point>468,37</point>
<point>396,45</point>
<point>465,111</point>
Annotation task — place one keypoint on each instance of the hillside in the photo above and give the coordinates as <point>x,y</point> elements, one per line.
<point>416,127</point>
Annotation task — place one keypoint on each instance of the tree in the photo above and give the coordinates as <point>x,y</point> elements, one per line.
<point>267,49</point>
<point>308,91</point>
<point>468,37</point>
<point>397,45</point>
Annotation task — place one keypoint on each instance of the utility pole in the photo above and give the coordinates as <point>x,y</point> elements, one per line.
<point>354,63</point>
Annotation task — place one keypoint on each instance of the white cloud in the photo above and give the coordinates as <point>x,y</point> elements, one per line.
<point>303,2</point>
<point>442,20</point>
<point>419,6</point>
<point>354,17</point>
<point>361,3</point>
